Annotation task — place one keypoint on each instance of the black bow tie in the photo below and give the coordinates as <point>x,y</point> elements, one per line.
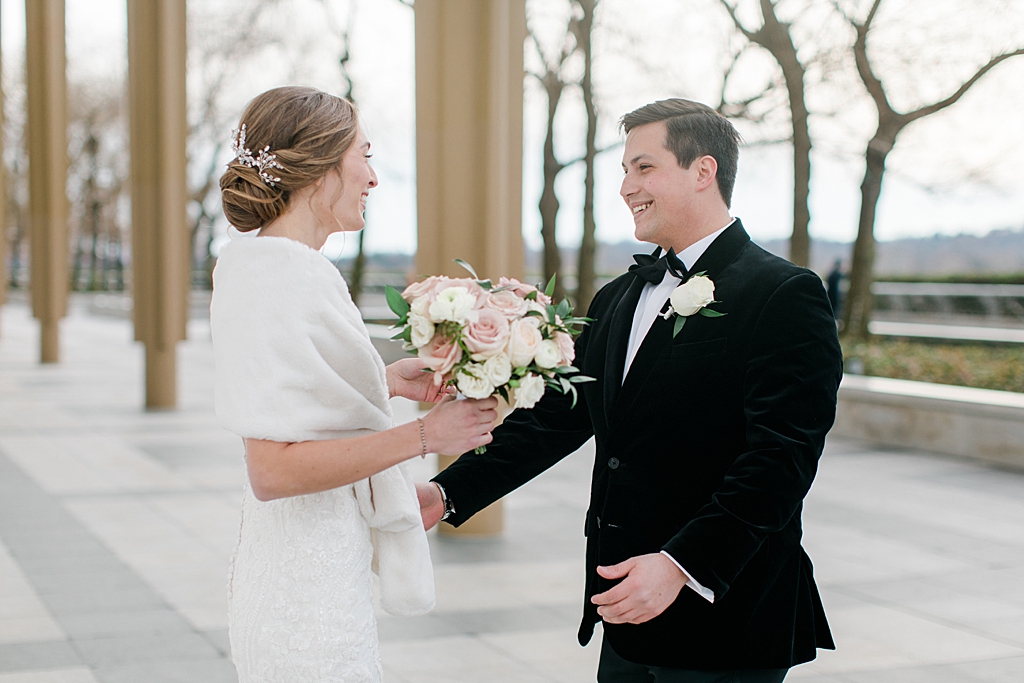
<point>651,268</point>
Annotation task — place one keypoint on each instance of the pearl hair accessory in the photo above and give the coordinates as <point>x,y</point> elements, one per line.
<point>262,163</point>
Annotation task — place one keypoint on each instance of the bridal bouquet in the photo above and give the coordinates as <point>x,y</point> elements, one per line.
<point>506,339</point>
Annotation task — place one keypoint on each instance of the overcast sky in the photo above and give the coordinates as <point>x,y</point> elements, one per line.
<point>959,171</point>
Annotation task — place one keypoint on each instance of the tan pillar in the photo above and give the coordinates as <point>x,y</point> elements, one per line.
<point>160,236</point>
<point>469,149</point>
<point>46,95</point>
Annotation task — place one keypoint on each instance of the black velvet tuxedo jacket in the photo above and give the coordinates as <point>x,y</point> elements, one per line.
<point>706,451</point>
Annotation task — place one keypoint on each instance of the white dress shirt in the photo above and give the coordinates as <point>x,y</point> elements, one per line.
<point>652,300</point>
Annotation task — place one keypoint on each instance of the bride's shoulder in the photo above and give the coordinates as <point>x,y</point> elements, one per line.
<point>258,270</point>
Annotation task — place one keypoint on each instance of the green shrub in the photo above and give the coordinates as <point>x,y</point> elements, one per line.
<point>980,366</point>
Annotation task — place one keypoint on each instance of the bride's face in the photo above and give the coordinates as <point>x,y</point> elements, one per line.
<point>351,185</point>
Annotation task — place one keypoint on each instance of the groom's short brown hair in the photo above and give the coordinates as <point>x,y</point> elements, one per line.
<point>694,130</point>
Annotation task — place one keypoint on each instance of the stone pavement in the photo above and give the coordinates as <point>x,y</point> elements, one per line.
<point>116,526</point>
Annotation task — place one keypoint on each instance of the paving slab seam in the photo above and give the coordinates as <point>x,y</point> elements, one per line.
<point>18,495</point>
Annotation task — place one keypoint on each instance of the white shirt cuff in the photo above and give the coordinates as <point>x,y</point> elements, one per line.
<point>691,582</point>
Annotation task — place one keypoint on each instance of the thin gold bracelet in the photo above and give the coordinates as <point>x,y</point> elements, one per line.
<point>423,438</point>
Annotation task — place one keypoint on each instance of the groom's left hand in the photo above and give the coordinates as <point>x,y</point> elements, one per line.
<point>652,583</point>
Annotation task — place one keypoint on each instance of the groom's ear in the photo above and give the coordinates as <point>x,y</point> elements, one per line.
<point>707,172</point>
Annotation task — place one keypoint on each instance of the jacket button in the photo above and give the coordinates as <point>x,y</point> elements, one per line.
<point>613,463</point>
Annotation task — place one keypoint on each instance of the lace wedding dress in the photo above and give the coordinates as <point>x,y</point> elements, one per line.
<point>294,363</point>
<point>301,605</point>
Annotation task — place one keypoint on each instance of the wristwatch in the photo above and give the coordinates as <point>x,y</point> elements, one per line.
<point>449,508</point>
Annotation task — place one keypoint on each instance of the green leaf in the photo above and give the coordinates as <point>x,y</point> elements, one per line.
<point>564,309</point>
<point>400,335</point>
<point>550,289</point>
<point>467,267</point>
<point>708,313</point>
<point>485,284</point>
<point>532,296</point>
<point>565,384</point>
<point>697,274</point>
<point>680,321</point>
<point>574,397</point>
<point>551,314</point>
<point>533,312</point>
<point>580,379</point>
<point>396,303</point>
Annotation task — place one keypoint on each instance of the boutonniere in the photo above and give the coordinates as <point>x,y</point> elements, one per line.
<point>693,296</point>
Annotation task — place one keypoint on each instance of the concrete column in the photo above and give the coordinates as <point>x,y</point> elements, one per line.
<point>469,149</point>
<point>46,129</point>
<point>160,236</point>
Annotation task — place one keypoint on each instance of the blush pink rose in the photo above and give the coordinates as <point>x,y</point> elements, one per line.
<point>422,288</point>
<point>524,341</point>
<point>508,303</point>
<point>566,346</point>
<point>487,335</point>
<point>440,355</point>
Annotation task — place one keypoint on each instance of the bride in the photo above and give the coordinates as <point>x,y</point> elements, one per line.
<point>297,378</point>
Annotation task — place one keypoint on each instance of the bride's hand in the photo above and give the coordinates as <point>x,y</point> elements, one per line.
<point>407,379</point>
<point>454,427</point>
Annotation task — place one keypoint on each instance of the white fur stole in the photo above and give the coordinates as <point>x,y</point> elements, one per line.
<point>294,362</point>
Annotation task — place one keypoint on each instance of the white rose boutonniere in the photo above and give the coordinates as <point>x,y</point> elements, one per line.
<point>693,296</point>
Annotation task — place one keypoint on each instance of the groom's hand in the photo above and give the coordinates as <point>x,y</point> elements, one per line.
<point>431,504</point>
<point>652,583</point>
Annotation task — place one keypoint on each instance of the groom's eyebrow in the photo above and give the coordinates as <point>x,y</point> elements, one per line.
<point>632,162</point>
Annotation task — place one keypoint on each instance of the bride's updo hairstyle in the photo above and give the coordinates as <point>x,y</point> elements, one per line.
<point>308,130</point>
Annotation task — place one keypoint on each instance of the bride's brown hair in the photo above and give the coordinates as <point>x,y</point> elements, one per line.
<point>309,131</point>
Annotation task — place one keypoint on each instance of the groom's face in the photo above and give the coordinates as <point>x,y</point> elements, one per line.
<point>658,191</point>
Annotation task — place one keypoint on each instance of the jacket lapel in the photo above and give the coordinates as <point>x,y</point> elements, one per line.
<point>618,340</point>
<point>712,262</point>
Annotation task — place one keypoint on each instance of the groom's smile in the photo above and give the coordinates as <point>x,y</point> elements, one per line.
<point>654,186</point>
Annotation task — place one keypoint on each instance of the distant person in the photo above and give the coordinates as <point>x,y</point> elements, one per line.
<point>298,379</point>
<point>835,279</point>
<point>708,434</point>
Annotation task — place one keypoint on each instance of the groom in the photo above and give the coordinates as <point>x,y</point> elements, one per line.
<point>707,440</point>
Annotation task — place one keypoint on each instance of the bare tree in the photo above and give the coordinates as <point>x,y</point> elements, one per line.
<point>775,36</point>
<point>218,51</point>
<point>97,181</point>
<point>890,124</point>
<point>3,205</point>
<point>554,80</point>
<point>583,28</point>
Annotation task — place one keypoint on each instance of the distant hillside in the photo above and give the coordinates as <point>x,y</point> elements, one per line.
<point>998,252</point>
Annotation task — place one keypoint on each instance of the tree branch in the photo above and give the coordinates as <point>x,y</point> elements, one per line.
<point>860,53</point>
<point>736,20</point>
<point>942,104</point>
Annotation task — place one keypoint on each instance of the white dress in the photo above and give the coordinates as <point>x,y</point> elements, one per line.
<point>294,363</point>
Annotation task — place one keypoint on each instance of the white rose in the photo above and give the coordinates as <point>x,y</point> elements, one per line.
<point>524,341</point>
<point>548,354</point>
<point>474,387</point>
<point>692,295</point>
<point>452,303</point>
<point>420,307</point>
<point>498,369</point>
<point>422,330</point>
<point>529,391</point>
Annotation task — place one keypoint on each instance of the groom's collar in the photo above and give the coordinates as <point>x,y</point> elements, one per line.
<point>721,252</point>
<point>692,253</point>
